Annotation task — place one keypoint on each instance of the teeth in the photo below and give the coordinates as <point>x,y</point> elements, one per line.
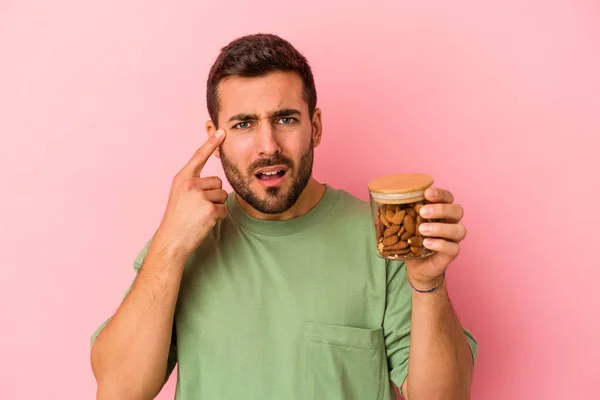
<point>270,173</point>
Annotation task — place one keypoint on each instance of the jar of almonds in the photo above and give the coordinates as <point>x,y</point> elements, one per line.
<point>395,204</point>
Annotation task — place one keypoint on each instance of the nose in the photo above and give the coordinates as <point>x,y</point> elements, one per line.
<point>266,140</point>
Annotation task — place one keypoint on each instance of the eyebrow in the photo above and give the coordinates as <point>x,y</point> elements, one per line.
<point>285,112</point>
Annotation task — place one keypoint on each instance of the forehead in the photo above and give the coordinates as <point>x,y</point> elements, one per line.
<point>259,95</point>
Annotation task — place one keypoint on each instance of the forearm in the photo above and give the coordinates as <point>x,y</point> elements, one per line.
<point>129,357</point>
<point>440,363</point>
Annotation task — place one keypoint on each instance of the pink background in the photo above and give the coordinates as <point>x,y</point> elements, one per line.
<point>102,102</point>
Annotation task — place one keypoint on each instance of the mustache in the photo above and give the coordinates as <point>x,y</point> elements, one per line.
<point>269,162</point>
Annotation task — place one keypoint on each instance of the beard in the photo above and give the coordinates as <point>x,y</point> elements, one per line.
<point>276,201</point>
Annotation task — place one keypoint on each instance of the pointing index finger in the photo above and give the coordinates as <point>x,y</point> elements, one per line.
<point>201,156</point>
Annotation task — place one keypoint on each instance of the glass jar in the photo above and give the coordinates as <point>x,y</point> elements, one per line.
<point>395,204</point>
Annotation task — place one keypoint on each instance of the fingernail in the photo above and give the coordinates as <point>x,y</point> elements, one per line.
<point>219,133</point>
<point>426,211</point>
<point>425,228</point>
<point>428,242</point>
<point>433,192</point>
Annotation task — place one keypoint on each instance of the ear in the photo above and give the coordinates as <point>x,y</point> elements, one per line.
<point>210,130</point>
<point>317,127</point>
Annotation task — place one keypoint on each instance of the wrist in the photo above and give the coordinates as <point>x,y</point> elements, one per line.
<point>169,251</point>
<point>426,285</point>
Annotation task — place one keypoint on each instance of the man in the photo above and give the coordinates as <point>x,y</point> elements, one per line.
<point>275,291</point>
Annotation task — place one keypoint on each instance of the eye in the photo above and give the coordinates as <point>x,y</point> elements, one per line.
<point>287,120</point>
<point>242,125</point>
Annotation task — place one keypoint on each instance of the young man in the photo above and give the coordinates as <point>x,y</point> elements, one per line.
<point>275,290</point>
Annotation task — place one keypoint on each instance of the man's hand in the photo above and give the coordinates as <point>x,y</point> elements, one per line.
<point>442,236</point>
<point>195,204</point>
<point>129,361</point>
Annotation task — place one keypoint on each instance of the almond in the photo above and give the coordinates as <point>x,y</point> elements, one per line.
<point>418,208</point>
<point>415,250</point>
<point>409,223</point>
<point>416,241</point>
<point>401,231</point>
<point>392,230</point>
<point>384,220</point>
<point>378,228</point>
<point>389,215</point>
<point>397,246</point>
<point>390,240</point>
<point>398,217</point>
<point>405,236</point>
<point>412,213</point>
<point>399,252</point>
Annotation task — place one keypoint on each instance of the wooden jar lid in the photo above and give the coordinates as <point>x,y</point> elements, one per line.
<point>400,183</point>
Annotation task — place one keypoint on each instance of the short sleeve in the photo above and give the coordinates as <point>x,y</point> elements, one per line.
<point>396,324</point>
<point>137,265</point>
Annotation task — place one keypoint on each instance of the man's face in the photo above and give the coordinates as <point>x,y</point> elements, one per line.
<point>267,155</point>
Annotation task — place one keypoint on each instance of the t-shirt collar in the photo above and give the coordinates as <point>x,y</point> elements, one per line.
<point>287,227</point>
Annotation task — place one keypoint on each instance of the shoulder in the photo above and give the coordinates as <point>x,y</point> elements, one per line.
<point>351,218</point>
<point>351,207</point>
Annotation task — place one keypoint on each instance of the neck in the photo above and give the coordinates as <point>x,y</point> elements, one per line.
<point>310,197</point>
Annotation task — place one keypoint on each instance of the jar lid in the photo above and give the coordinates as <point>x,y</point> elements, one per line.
<point>400,183</point>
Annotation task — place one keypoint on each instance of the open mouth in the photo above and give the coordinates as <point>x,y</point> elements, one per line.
<point>270,175</point>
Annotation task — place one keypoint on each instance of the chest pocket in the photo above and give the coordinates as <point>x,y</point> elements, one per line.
<point>342,362</point>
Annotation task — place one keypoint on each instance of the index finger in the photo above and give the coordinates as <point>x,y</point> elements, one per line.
<point>437,195</point>
<point>194,166</point>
